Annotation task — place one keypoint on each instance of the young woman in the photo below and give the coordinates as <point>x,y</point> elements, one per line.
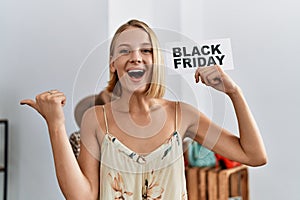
<point>132,147</point>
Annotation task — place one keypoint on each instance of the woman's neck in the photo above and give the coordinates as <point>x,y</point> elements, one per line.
<point>135,113</point>
<point>134,103</point>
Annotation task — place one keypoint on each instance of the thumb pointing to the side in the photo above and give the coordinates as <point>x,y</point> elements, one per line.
<point>29,102</point>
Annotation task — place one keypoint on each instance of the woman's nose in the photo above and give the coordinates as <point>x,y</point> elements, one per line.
<point>135,57</point>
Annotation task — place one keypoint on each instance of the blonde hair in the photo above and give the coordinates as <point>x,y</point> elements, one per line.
<point>156,88</point>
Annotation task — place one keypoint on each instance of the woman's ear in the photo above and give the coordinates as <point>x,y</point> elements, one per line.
<point>112,65</point>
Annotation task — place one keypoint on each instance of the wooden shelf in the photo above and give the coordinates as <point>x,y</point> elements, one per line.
<point>211,183</point>
<point>2,168</point>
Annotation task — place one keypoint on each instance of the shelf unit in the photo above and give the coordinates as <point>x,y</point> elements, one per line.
<point>211,183</point>
<point>3,166</point>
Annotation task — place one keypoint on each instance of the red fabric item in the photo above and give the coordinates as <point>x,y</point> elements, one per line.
<point>225,162</point>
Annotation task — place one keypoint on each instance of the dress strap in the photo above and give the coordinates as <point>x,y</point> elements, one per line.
<point>176,115</point>
<point>105,119</point>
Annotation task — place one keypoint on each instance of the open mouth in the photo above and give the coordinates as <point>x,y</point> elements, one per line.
<point>136,73</point>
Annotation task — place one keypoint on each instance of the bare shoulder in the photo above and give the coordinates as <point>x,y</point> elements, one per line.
<point>185,107</point>
<point>166,104</point>
<point>182,107</point>
<point>93,113</point>
<point>163,102</point>
<point>188,118</point>
<point>93,119</point>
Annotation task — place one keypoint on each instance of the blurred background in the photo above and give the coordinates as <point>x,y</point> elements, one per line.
<point>63,45</point>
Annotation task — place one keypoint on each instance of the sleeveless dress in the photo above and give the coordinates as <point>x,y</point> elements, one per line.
<point>126,175</point>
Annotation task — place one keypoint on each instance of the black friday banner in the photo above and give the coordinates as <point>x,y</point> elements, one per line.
<point>185,57</point>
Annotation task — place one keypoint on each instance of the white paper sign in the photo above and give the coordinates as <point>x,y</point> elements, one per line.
<point>185,57</point>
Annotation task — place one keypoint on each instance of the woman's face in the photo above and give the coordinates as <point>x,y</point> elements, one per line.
<point>132,59</point>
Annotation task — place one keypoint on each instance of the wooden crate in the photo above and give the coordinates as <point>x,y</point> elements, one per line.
<point>234,182</point>
<point>211,183</point>
<point>197,182</point>
<point>203,174</point>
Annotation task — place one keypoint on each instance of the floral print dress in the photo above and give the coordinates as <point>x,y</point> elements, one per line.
<point>126,175</point>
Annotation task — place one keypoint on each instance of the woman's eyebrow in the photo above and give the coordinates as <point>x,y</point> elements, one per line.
<point>129,45</point>
<point>124,44</point>
<point>146,43</point>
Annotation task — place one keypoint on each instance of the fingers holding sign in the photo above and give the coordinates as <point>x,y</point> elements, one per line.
<point>49,104</point>
<point>215,77</point>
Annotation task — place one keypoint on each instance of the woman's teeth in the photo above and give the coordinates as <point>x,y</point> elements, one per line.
<point>136,73</point>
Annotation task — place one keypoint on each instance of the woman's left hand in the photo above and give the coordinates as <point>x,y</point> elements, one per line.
<point>215,77</point>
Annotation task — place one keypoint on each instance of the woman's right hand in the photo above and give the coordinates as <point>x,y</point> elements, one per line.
<point>49,104</point>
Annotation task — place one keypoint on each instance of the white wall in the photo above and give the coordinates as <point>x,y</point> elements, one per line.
<point>43,44</point>
<point>266,44</point>
<point>49,44</point>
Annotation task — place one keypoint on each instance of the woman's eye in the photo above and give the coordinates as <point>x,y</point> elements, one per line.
<point>124,51</point>
<point>146,51</point>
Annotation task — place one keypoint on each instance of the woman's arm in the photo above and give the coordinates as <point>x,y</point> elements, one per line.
<point>76,181</point>
<point>248,148</point>
<point>73,181</point>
